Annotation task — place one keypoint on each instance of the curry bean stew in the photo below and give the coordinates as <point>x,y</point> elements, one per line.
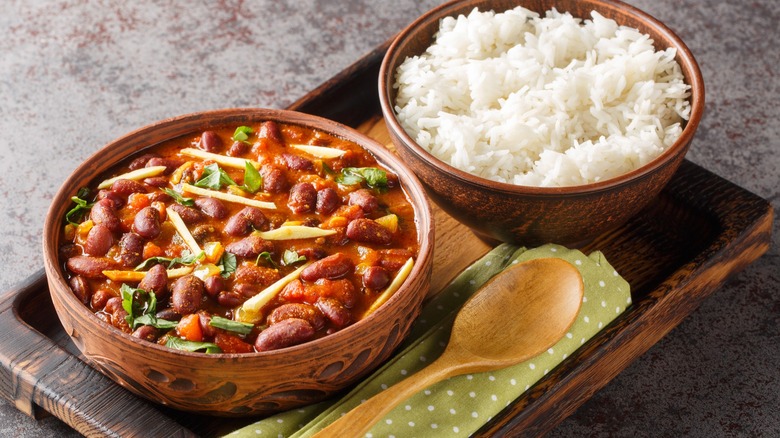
<point>248,238</point>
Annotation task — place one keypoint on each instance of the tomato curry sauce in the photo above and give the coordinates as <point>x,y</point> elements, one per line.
<point>240,239</point>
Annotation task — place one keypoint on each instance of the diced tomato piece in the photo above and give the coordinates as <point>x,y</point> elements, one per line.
<point>351,212</point>
<point>295,292</point>
<point>138,201</point>
<point>152,250</point>
<point>189,328</point>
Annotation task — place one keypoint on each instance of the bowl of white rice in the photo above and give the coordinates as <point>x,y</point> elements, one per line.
<point>541,121</point>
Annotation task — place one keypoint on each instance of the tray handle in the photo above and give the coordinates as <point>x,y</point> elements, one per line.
<point>34,371</point>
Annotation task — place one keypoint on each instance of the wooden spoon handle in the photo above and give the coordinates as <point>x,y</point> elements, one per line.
<point>359,420</point>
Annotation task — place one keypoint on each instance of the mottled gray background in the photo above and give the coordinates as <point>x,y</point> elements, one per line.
<point>76,74</point>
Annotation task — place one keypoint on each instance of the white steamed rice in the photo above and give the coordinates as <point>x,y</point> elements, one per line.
<point>542,101</point>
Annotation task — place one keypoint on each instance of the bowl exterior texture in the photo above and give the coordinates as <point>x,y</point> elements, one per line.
<point>535,218</point>
<point>232,384</point>
<point>536,215</point>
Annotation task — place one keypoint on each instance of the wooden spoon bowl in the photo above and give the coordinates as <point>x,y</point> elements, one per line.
<point>517,315</point>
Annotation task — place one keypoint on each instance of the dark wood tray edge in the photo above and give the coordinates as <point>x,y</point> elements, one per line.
<point>30,362</point>
<point>744,237</point>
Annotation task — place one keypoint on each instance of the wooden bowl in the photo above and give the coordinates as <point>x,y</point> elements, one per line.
<point>237,384</point>
<point>536,215</point>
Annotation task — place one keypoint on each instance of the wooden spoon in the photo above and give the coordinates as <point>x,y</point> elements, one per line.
<point>517,315</point>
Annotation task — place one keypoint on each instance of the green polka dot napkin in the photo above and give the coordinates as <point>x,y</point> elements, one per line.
<point>461,405</point>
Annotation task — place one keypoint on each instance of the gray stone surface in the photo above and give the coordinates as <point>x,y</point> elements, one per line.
<point>77,74</point>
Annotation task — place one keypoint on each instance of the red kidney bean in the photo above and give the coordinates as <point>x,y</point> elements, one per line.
<point>376,277</point>
<point>245,220</point>
<point>303,198</point>
<point>102,213</point>
<point>237,225</point>
<point>297,162</point>
<point>392,181</point>
<point>168,315</point>
<point>186,294</point>
<point>112,304</point>
<point>250,246</point>
<point>256,217</point>
<point>347,159</point>
<point>189,215</point>
<point>270,130</point>
<point>203,233</point>
<point>253,274</point>
<point>230,298</point>
<point>336,313</point>
<point>392,259</point>
<point>312,253</point>
<point>119,320</point>
<point>89,267</point>
<point>159,197</point>
<point>247,290</point>
<point>331,267</point>
<point>141,161</point>
<point>311,222</point>
<point>342,290</point>
<point>285,333</point>
<point>328,200</point>
<point>156,280</point>
<point>237,149</point>
<point>116,201</point>
<point>126,187</point>
<point>81,289</point>
<point>368,231</point>
<point>100,299</point>
<point>303,311</point>
<point>99,241</point>
<point>205,327</point>
<point>157,181</point>
<point>214,285</point>
<point>210,141</point>
<point>69,250</point>
<point>131,248</point>
<point>364,199</point>
<point>170,164</point>
<point>147,223</point>
<point>212,207</point>
<point>146,332</point>
<point>274,180</point>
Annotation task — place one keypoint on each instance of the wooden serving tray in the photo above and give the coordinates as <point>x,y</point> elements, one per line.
<point>700,230</point>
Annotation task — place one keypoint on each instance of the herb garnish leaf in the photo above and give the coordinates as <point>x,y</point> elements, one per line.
<point>265,255</point>
<point>186,258</point>
<point>327,169</point>
<point>290,257</point>
<point>242,133</point>
<point>230,325</point>
<point>82,205</point>
<point>227,264</point>
<point>214,178</point>
<point>253,181</point>
<point>187,202</point>
<point>373,177</point>
<point>141,306</point>
<point>192,346</point>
